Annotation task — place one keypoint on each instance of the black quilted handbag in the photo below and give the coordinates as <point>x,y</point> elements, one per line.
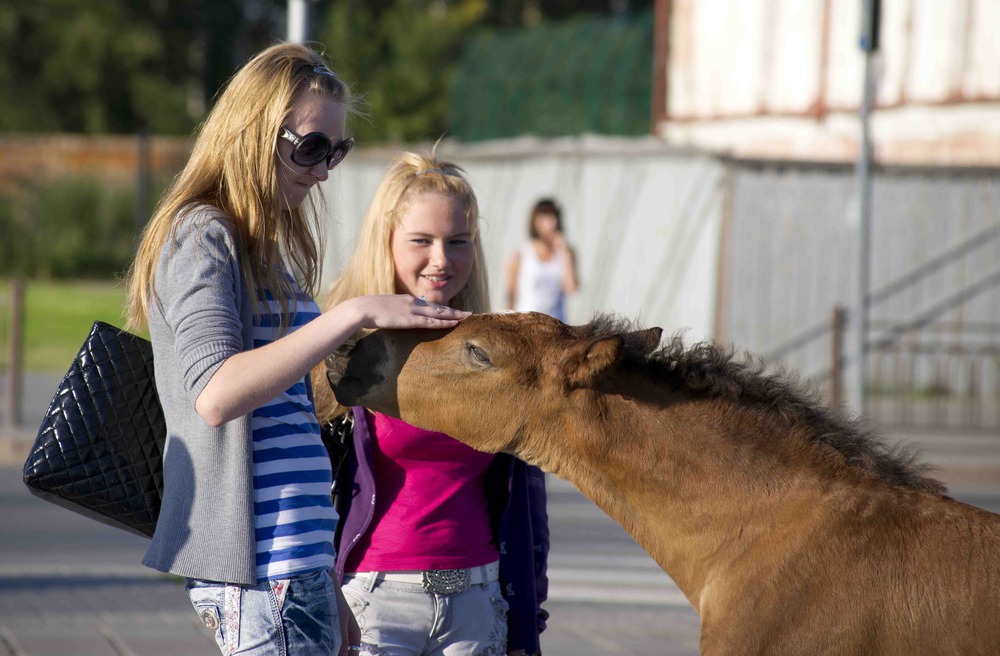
<point>99,450</point>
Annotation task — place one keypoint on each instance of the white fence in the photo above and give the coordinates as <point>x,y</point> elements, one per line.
<point>642,218</point>
<point>752,253</point>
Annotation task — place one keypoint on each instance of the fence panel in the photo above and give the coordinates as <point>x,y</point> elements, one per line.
<point>935,306</point>
<point>643,219</point>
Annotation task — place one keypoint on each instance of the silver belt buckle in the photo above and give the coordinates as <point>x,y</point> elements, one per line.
<point>447,581</point>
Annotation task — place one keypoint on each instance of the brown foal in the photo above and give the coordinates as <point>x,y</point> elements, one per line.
<point>790,529</point>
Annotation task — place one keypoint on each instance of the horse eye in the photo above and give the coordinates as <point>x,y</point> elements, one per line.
<point>478,354</point>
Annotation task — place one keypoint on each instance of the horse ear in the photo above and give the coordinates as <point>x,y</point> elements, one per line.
<point>587,362</point>
<point>646,341</point>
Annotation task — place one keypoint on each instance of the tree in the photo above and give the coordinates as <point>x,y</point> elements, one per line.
<point>118,66</point>
<point>400,55</point>
<point>527,13</point>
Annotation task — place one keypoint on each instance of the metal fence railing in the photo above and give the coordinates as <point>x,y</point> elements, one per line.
<point>941,384</point>
<point>933,342</point>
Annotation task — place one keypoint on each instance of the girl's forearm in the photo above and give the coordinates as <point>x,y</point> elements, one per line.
<point>248,380</point>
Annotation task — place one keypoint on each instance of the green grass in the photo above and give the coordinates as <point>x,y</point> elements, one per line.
<point>57,318</point>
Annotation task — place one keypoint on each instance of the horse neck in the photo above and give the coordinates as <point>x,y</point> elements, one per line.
<point>671,476</point>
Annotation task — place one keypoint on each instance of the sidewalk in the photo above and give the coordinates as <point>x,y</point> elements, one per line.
<point>69,585</point>
<point>88,615</point>
<point>143,616</point>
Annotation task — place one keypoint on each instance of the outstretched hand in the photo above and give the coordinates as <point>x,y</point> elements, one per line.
<point>404,311</point>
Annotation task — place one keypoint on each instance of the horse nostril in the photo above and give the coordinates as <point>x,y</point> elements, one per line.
<point>336,366</point>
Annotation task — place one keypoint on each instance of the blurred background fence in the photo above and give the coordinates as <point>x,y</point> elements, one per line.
<point>755,253</point>
<point>71,205</point>
<point>934,333</point>
<point>758,254</point>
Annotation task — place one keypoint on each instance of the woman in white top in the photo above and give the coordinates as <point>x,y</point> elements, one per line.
<point>543,271</point>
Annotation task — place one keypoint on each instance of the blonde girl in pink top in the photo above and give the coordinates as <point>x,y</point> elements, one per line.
<point>441,549</point>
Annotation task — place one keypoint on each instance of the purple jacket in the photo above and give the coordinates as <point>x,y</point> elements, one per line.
<point>515,492</point>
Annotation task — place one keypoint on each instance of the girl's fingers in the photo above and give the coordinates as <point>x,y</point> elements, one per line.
<point>425,308</point>
<point>440,316</point>
<point>405,311</point>
<point>426,320</point>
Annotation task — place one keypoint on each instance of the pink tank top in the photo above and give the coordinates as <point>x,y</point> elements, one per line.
<point>430,502</point>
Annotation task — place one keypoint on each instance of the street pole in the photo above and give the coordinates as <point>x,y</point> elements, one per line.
<point>871,11</point>
<point>15,355</point>
<point>298,21</point>
<point>143,181</point>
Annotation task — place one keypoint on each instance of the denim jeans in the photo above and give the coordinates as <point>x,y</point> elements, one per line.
<point>288,617</point>
<point>403,619</point>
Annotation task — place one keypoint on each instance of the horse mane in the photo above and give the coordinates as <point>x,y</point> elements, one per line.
<point>709,369</point>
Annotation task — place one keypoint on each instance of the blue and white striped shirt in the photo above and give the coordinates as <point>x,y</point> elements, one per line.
<point>293,512</point>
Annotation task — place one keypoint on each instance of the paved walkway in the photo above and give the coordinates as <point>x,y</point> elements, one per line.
<point>71,586</point>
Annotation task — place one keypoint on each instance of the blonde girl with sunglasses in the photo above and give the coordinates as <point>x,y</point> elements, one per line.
<point>224,278</point>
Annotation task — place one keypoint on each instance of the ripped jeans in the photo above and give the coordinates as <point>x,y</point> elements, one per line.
<point>288,617</point>
<point>403,619</point>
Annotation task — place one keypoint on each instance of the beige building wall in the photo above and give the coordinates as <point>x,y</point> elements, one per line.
<point>783,79</point>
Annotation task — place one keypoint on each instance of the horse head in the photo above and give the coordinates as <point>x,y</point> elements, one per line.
<point>493,381</point>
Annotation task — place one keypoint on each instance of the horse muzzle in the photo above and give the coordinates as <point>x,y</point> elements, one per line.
<point>353,371</point>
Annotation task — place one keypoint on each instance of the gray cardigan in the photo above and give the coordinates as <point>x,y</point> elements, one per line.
<point>199,316</point>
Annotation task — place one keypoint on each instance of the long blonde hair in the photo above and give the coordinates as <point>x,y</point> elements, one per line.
<point>233,168</point>
<point>371,269</point>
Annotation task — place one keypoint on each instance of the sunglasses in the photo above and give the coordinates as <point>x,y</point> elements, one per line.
<point>315,147</point>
